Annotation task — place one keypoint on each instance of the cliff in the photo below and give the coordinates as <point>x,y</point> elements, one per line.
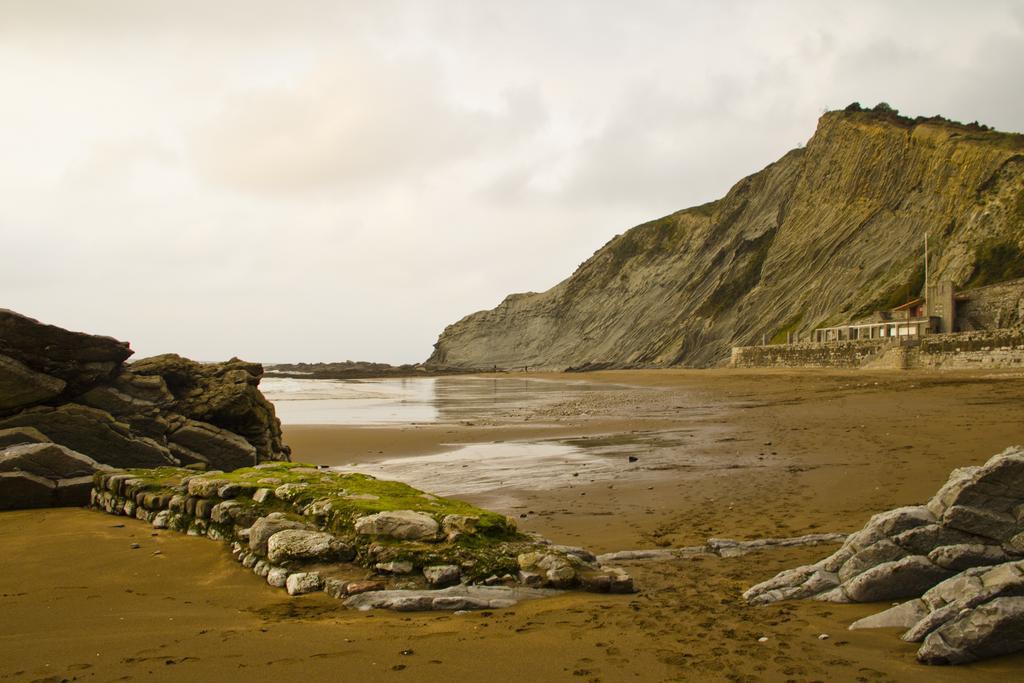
<point>827,233</point>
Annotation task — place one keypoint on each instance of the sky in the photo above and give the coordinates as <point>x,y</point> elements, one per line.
<point>324,181</point>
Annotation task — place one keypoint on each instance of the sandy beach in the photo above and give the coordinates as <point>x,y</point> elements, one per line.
<point>734,454</point>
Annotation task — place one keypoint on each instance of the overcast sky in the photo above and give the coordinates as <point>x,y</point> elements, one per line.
<point>289,181</point>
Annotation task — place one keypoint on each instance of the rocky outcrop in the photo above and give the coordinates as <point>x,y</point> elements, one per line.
<point>45,475</point>
<point>79,360</point>
<point>826,234</point>
<point>960,554</point>
<point>319,527</point>
<point>75,390</point>
<point>976,614</point>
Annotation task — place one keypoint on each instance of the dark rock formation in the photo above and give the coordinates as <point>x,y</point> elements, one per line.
<point>80,360</point>
<point>958,556</point>
<point>45,475</point>
<point>75,390</point>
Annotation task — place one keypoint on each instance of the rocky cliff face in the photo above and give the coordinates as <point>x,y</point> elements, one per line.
<point>825,234</point>
<point>73,397</point>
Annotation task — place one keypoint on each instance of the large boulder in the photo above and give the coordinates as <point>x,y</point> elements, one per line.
<point>44,475</point>
<point>225,395</point>
<point>80,360</point>
<point>974,519</point>
<point>973,525</point>
<point>405,525</point>
<point>301,545</point>
<point>49,460</point>
<point>94,433</point>
<point>264,528</point>
<point>16,435</point>
<point>201,442</point>
<point>21,386</point>
<point>25,490</point>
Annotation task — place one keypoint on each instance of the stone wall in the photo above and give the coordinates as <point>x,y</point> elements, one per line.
<point>984,349</point>
<point>962,350</point>
<point>842,354</point>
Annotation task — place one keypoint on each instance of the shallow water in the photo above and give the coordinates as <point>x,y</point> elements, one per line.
<point>479,467</point>
<point>464,469</point>
<point>409,400</point>
<point>352,402</point>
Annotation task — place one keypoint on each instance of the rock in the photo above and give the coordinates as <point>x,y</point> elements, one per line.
<point>161,520</point>
<point>298,545</point>
<point>998,526</point>
<point>303,582</point>
<point>287,492</point>
<point>116,402</point>
<point>558,570</point>
<point>442,575</point>
<point>74,492</point>
<point>581,553</point>
<point>94,433</point>
<point>265,527</point>
<point>335,588</point>
<point>24,490</point>
<point>531,579</point>
<point>277,577</point>
<point>357,587</point>
<point>21,435</point>
<point>964,556</point>
<point>395,567</point>
<point>459,597</point>
<point>235,489</point>
<point>49,460</point>
<point>198,441</point>
<point>21,386</point>
<point>972,520</point>
<point>204,487</point>
<point>80,360</point>
<point>903,615</point>
<point>989,630</point>
<point>606,580</point>
<point>224,395</point>
<point>882,551</point>
<point>906,578</point>
<point>924,539</point>
<point>400,524</point>
<point>727,547</point>
<point>263,495</point>
<point>456,526</point>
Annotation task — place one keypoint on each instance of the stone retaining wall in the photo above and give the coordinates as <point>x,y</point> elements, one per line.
<point>301,537</point>
<point>983,349</point>
<point>979,349</point>
<point>841,354</point>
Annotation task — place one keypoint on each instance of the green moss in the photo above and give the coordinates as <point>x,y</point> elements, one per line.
<point>782,336</point>
<point>996,262</point>
<point>753,252</point>
<point>345,497</point>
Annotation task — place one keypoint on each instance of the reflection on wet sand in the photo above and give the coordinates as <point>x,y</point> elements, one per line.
<point>413,399</point>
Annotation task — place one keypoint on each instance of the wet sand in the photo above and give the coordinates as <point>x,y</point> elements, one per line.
<point>720,453</point>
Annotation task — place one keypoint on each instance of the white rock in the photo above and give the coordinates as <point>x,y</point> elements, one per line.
<point>401,524</point>
<point>303,582</point>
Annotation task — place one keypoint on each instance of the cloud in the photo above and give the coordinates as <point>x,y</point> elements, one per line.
<point>353,120</point>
